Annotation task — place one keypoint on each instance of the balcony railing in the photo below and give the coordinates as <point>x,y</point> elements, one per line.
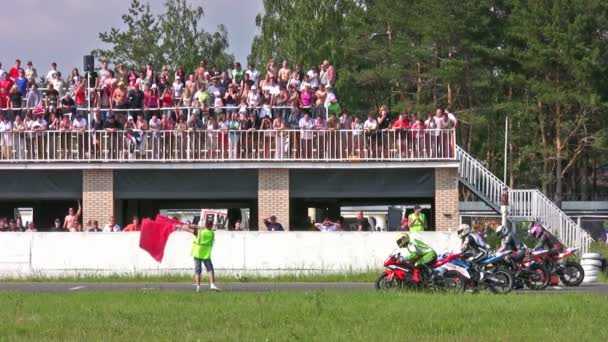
<point>224,145</point>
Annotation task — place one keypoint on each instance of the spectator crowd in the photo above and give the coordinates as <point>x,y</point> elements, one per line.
<point>242,113</point>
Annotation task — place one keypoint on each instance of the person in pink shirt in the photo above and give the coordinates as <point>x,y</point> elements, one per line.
<point>418,143</point>
<point>306,99</point>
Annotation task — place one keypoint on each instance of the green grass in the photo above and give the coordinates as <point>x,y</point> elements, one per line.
<point>369,276</point>
<point>300,316</point>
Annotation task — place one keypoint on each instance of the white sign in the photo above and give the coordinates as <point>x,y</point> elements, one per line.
<point>219,217</point>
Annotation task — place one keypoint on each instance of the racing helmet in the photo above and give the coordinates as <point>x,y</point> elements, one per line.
<point>464,230</point>
<point>502,231</point>
<point>535,230</point>
<point>403,240</point>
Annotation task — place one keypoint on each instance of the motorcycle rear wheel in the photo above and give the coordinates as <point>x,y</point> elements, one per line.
<point>383,284</point>
<point>504,286</point>
<point>572,274</point>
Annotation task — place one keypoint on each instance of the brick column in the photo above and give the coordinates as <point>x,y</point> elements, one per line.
<point>97,196</point>
<point>446,199</point>
<point>273,196</point>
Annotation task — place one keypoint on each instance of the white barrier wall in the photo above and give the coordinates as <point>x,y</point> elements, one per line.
<point>66,254</point>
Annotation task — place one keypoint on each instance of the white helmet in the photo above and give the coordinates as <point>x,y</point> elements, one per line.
<point>464,230</point>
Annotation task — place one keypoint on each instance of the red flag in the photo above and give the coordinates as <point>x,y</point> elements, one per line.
<point>154,235</point>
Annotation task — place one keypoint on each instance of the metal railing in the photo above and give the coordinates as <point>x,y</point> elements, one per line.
<point>528,204</point>
<point>217,145</point>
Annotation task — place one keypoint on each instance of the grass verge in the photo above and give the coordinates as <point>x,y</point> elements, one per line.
<point>602,248</point>
<point>292,316</point>
<point>369,276</point>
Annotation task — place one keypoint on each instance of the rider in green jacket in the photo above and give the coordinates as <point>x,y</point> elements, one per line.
<point>421,254</point>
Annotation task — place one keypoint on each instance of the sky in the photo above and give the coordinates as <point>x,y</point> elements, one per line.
<point>64,31</point>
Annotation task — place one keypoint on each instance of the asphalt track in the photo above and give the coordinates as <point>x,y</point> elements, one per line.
<point>40,287</point>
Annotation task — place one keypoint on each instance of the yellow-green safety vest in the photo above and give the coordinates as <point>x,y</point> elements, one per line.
<point>203,244</point>
<point>419,225</point>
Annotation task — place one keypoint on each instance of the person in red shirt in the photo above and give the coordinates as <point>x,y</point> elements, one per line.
<point>402,122</point>
<point>134,226</point>
<point>401,125</point>
<point>80,94</point>
<point>4,99</point>
<point>14,72</point>
<point>5,82</point>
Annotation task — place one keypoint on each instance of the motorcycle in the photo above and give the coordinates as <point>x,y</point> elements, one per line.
<point>450,262</point>
<point>530,271</point>
<point>570,272</point>
<point>487,274</point>
<point>400,273</point>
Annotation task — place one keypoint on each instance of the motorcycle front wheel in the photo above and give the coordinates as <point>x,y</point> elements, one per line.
<point>538,277</point>
<point>383,283</point>
<point>453,282</point>
<point>571,274</point>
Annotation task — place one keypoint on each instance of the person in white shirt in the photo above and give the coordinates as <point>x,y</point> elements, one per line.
<point>58,84</point>
<point>154,123</point>
<point>79,123</point>
<point>253,73</point>
<point>452,118</point>
<point>112,226</point>
<point>253,98</point>
<point>306,124</point>
<point>178,89</point>
<point>31,73</point>
<point>328,226</point>
<point>39,124</point>
<point>104,73</point>
<point>6,141</point>
<point>370,124</point>
<point>313,78</point>
<point>330,95</point>
<point>53,71</point>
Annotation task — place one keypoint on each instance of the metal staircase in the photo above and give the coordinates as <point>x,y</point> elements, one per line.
<point>524,205</point>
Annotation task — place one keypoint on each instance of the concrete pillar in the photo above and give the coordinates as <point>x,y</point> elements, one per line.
<point>273,196</point>
<point>446,199</point>
<point>97,196</point>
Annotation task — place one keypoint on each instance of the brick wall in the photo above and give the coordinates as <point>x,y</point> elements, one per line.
<point>273,196</point>
<point>97,196</point>
<point>446,199</point>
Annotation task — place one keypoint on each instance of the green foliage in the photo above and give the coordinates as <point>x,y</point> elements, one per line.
<point>174,38</point>
<point>543,63</point>
<point>599,247</point>
<point>139,43</point>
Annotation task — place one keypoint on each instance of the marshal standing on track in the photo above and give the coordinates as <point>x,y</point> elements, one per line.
<point>202,245</point>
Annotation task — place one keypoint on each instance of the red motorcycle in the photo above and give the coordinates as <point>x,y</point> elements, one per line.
<point>400,273</point>
<point>570,272</point>
<point>532,270</point>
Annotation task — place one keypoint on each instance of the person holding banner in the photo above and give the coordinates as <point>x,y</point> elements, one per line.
<point>202,245</point>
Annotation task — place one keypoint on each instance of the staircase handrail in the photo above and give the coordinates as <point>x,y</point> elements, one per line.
<point>529,203</point>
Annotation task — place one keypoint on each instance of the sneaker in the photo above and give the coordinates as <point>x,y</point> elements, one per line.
<point>198,288</point>
<point>212,287</point>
